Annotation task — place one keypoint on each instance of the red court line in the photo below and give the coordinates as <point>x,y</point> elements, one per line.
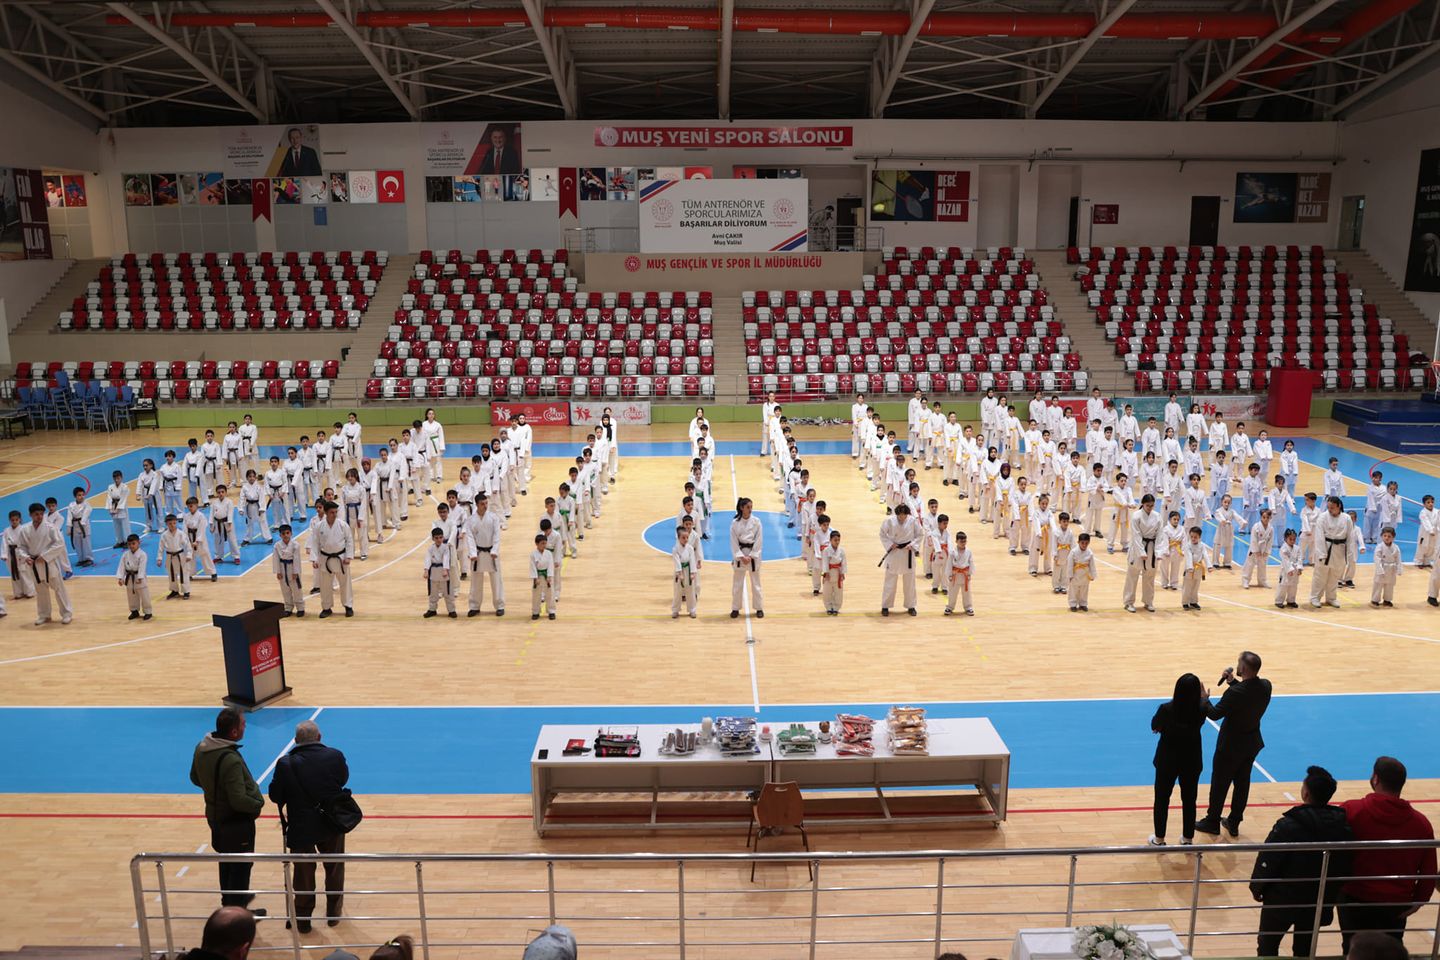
<point>526,816</point>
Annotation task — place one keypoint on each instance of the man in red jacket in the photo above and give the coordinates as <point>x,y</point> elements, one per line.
<point>1372,903</point>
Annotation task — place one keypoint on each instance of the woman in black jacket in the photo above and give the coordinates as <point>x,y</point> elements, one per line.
<point>1178,756</point>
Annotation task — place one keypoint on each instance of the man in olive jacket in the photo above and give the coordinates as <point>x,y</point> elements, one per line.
<point>1287,882</point>
<point>232,802</point>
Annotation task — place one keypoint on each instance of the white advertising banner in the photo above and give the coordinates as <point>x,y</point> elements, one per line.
<point>584,413</point>
<point>710,216</point>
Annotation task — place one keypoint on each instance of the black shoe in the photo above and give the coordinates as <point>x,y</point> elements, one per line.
<point>349,611</point>
<point>326,613</point>
<point>552,616</point>
<point>172,595</point>
<point>214,577</point>
<point>1387,603</point>
<point>134,615</point>
<point>934,589</point>
<point>453,614</point>
<point>499,613</point>
<point>147,616</point>
<point>1206,825</point>
<point>759,614</point>
<point>1374,603</point>
<point>1194,606</point>
<point>734,614</point>
<point>429,614</point>
<point>911,611</point>
<point>299,613</point>
<point>534,616</point>
<point>473,613</point>
<point>333,922</point>
<point>1084,609</point>
<point>1231,826</point>
<point>184,596</point>
<point>314,590</point>
<point>302,925</point>
<point>1293,606</point>
<point>1433,601</point>
<point>884,611</point>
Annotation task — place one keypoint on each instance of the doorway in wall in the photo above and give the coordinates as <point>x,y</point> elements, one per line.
<point>1204,221</point>
<point>1352,223</point>
<point>847,219</point>
<point>1072,231</point>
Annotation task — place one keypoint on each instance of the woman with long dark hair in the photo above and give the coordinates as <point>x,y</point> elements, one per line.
<point>1177,755</point>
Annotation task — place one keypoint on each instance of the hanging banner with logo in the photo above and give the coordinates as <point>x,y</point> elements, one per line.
<point>34,215</point>
<point>569,192</point>
<point>271,151</point>
<point>739,216</point>
<point>586,413</point>
<point>724,135</point>
<point>259,200</point>
<point>472,149</point>
<point>1422,266</point>
<point>547,412</point>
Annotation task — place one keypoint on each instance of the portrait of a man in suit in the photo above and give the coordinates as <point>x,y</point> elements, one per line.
<point>503,156</point>
<point>298,159</point>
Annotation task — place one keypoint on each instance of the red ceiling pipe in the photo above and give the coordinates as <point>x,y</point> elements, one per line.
<point>848,23</point>
<point>1288,63</point>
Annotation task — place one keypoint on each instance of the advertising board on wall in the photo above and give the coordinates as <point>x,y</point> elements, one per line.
<point>554,413</point>
<point>699,216</point>
<point>585,413</point>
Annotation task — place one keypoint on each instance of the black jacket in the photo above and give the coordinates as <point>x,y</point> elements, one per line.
<point>310,774</point>
<point>1244,703</point>
<point>1293,876</point>
<point>1179,746</point>
<point>307,166</point>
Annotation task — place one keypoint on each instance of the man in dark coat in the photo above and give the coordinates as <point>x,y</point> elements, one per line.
<point>232,802</point>
<point>1238,744</point>
<point>1287,882</point>
<point>502,157</point>
<point>298,160</point>
<point>310,775</point>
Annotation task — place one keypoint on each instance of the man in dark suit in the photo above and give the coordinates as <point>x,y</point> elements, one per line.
<point>1239,743</point>
<point>299,160</point>
<point>502,157</point>
<point>306,777</point>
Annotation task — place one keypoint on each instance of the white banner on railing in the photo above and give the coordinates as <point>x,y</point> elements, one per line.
<point>584,413</point>
<point>734,216</point>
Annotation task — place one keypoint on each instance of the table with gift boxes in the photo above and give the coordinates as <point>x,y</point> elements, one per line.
<point>854,771</point>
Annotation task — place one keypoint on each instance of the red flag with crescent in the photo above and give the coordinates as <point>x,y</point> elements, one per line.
<point>569,192</point>
<point>259,200</point>
<point>391,185</point>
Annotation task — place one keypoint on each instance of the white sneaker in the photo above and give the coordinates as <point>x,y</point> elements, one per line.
<point>1155,841</point>
<point>64,620</point>
<point>41,621</point>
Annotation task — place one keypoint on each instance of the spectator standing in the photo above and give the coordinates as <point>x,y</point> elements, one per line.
<point>1287,882</point>
<point>1383,905</point>
<point>228,935</point>
<point>306,779</point>
<point>1239,742</point>
<point>1178,756</point>
<point>232,802</point>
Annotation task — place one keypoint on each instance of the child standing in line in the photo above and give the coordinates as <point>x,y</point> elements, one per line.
<point>1252,494</point>
<point>437,574</point>
<point>937,554</point>
<point>1290,466</point>
<point>1373,493</point>
<point>1288,584</point>
<point>1281,502</point>
<point>22,582</point>
<point>1262,537</point>
<point>1041,537</point>
<point>557,557</point>
<point>355,503</point>
<point>252,497</point>
<point>540,566</point>
<point>566,506</point>
<point>1357,547</point>
<point>1387,569</point>
<point>174,557</point>
<point>1429,542</point>
<point>148,487</point>
<point>131,575</point>
<point>1221,476</point>
<point>286,563</point>
<point>1392,507</point>
<point>222,522</point>
<point>1334,479</point>
<point>960,566</point>
<point>1173,534</point>
<point>1196,562</point>
<point>686,556</point>
<point>115,506</point>
<point>171,473</point>
<point>197,529</point>
<point>1082,572</point>
<point>1125,505</point>
<point>1264,452</point>
<point>278,484</point>
<point>1064,545</point>
<point>836,566</point>
<point>1225,520</point>
<point>815,549</point>
<point>77,517</point>
<point>1309,514</point>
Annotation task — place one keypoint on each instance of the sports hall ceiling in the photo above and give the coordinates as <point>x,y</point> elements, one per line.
<point>243,61</point>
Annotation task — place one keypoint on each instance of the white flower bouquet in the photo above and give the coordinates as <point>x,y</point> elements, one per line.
<point>1112,942</point>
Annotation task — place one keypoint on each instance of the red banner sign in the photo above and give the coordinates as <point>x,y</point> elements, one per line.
<point>264,655</point>
<point>952,195</point>
<point>569,192</point>
<point>1105,213</point>
<point>34,214</point>
<point>724,136</point>
<point>546,412</point>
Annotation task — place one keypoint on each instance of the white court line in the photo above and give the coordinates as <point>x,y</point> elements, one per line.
<point>103,646</point>
<point>281,755</point>
<point>1256,763</point>
<point>67,468</point>
<point>745,598</point>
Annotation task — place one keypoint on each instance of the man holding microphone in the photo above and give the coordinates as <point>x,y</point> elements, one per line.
<point>1239,743</point>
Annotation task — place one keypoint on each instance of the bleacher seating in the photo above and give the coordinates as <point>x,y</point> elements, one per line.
<point>508,324</point>
<point>169,381</point>
<point>229,291</point>
<point>941,320</point>
<point>1217,318</point>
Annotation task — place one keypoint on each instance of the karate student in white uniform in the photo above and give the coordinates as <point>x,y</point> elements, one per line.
<point>482,534</point>
<point>432,436</point>
<point>197,531</point>
<point>1332,531</point>
<point>1081,574</point>
<point>249,443</point>
<point>901,537</point>
<point>859,421</point>
<point>1287,584</point>
<point>1192,569</point>
<point>835,567</point>
<point>686,559</point>
<point>1146,547</point>
<point>1257,558</point>
<point>22,583</point>
<point>1427,550</point>
<point>173,556</point>
<point>331,549</point>
<point>960,568</point>
<point>40,547</point>
<point>540,587</point>
<point>767,418</point>
<point>222,524</point>
<point>211,455</point>
<point>355,500</point>
<point>285,563</point>
<point>435,568</point>
<point>351,432</point>
<point>1387,567</point>
<point>747,545</point>
<point>131,574</point>
<point>115,496</point>
<point>77,522</point>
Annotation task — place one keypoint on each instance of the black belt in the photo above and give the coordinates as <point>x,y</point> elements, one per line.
<point>1344,541</point>
<point>747,546</point>
<point>484,549</point>
<point>222,527</point>
<point>212,463</point>
<point>194,536</point>
<point>130,576</point>
<point>273,487</point>
<point>909,554</point>
<point>14,553</point>
<point>332,556</point>
<point>1149,548</point>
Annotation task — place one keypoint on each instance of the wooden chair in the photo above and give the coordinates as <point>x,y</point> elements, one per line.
<point>779,805</point>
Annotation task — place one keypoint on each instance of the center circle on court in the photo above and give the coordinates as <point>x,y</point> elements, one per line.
<point>778,541</point>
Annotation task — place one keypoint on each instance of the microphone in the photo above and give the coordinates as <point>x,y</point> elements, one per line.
<point>1227,677</point>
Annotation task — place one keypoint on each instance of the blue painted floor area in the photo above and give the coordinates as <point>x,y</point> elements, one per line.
<point>478,750</point>
<point>777,542</point>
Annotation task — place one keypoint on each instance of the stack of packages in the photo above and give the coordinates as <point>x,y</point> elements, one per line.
<point>853,734</point>
<point>797,738</point>
<point>908,736</point>
<point>617,742</point>
<point>735,736</point>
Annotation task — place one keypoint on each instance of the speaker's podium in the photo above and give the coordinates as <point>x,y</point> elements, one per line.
<point>254,657</point>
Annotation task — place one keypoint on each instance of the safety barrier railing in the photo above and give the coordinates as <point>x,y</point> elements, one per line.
<point>893,904</point>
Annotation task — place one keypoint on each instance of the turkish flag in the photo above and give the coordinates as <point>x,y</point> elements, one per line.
<point>259,200</point>
<point>391,184</point>
<point>569,191</point>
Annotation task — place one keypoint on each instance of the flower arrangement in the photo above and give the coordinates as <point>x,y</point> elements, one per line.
<point>1112,942</point>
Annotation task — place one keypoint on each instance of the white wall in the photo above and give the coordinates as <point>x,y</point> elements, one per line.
<point>24,283</point>
<point>1382,145</point>
<point>37,135</point>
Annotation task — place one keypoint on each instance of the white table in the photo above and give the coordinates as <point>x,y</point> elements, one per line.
<point>966,753</point>
<point>1056,943</point>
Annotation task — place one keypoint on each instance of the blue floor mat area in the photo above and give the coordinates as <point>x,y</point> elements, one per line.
<point>480,750</point>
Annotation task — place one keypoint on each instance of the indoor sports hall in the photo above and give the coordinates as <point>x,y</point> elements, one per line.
<point>307,264</point>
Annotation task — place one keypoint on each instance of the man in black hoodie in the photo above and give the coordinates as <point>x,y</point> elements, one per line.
<point>232,802</point>
<point>309,775</point>
<point>1287,882</point>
